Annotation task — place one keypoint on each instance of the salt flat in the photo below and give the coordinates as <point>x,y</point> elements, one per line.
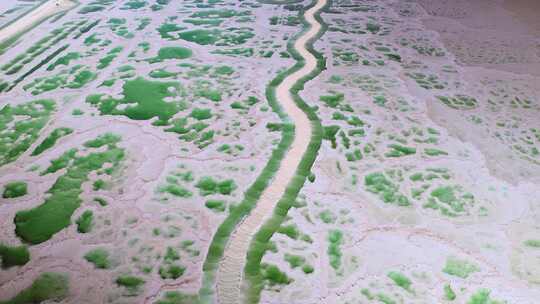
<point>269,151</point>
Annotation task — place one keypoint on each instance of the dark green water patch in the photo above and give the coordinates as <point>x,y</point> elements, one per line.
<point>39,224</point>
<point>143,99</point>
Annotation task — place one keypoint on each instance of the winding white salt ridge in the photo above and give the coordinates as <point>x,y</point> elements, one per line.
<point>230,271</point>
<point>37,15</point>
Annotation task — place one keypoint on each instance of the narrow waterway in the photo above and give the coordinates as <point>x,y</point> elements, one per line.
<point>230,272</point>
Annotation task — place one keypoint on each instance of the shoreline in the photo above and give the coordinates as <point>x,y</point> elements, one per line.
<point>37,15</point>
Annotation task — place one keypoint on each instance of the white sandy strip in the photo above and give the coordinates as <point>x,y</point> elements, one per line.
<point>37,15</point>
<point>229,276</point>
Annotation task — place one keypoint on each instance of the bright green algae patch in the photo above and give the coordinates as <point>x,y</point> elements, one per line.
<point>171,53</point>
<point>166,29</point>
<point>13,256</point>
<point>387,190</point>
<point>49,286</point>
<point>75,77</point>
<point>64,60</point>
<point>99,257</point>
<point>143,100</point>
<point>170,269</point>
<point>161,73</point>
<point>216,205</point>
<point>459,268</point>
<point>273,275</point>
<point>15,189</point>
<point>175,297</point>
<point>85,222</point>
<point>400,280</point>
<point>20,127</point>
<point>459,102</point>
<point>449,293</point>
<point>51,140</point>
<point>221,13</point>
<point>175,185</point>
<point>207,186</point>
<point>399,150</point>
<point>228,37</point>
<point>328,217</point>
<point>111,55</point>
<point>129,282</point>
<point>482,296</point>
<point>335,239</point>
<point>294,260</point>
<point>532,243</point>
<point>39,224</point>
<point>450,199</point>
<point>433,186</point>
